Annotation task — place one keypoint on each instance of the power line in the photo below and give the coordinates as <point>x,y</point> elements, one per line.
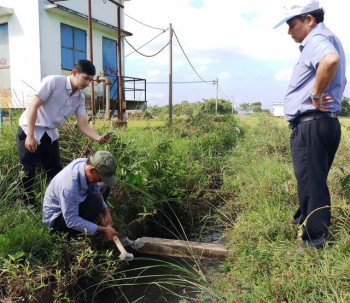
<point>222,93</point>
<point>189,59</point>
<point>144,54</point>
<point>161,29</point>
<point>146,42</point>
<point>179,82</point>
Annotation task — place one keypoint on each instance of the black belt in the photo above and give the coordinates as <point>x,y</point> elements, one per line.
<point>308,116</point>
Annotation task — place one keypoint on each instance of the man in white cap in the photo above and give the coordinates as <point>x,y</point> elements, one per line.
<point>313,97</point>
<point>73,199</point>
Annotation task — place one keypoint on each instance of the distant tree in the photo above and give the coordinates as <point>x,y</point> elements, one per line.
<point>245,107</point>
<point>256,107</point>
<point>345,107</point>
<point>224,106</point>
<point>183,108</point>
<point>154,110</point>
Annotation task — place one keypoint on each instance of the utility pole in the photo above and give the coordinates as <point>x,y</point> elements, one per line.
<point>92,87</point>
<point>170,74</point>
<point>233,107</point>
<point>217,93</point>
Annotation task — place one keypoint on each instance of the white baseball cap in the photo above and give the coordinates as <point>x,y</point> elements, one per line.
<point>295,8</point>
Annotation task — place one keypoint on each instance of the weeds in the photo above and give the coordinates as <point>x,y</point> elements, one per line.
<point>266,263</point>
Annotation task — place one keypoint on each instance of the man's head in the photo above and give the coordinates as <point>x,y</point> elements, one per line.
<point>101,166</point>
<point>82,74</point>
<point>301,16</point>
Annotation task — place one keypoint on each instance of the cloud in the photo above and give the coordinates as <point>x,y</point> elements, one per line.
<point>230,40</point>
<point>224,75</point>
<point>196,3</point>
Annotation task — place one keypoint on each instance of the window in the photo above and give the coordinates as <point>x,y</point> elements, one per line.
<point>73,46</point>
<point>110,69</point>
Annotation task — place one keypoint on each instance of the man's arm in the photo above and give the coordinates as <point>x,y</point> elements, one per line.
<point>30,143</point>
<point>106,218</point>
<point>87,130</point>
<point>325,73</point>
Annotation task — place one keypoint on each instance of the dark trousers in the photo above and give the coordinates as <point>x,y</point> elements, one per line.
<point>313,147</point>
<point>89,210</point>
<point>47,153</point>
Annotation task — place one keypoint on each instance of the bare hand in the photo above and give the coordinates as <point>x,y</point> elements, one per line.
<point>324,104</point>
<point>110,232</point>
<point>103,139</point>
<point>31,144</point>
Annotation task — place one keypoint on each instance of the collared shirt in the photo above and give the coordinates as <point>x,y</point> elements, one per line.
<point>316,45</point>
<point>58,106</point>
<point>65,192</point>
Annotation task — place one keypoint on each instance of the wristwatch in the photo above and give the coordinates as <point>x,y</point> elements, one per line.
<point>313,97</point>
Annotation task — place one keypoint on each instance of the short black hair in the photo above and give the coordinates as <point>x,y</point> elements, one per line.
<point>85,66</point>
<point>317,14</point>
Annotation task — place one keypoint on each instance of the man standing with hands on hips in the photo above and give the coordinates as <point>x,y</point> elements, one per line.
<point>57,98</point>
<point>313,97</point>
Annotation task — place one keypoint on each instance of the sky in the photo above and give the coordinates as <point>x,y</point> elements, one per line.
<point>229,40</point>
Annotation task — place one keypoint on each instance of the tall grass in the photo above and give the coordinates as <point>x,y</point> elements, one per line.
<point>164,174</point>
<point>266,263</point>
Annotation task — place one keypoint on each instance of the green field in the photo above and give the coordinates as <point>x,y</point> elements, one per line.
<point>203,172</point>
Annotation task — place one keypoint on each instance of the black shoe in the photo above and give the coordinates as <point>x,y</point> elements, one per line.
<point>298,221</point>
<point>315,243</point>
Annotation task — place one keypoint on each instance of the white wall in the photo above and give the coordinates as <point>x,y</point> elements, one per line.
<point>50,34</point>
<point>103,10</point>
<point>278,109</point>
<point>24,45</point>
<point>34,40</point>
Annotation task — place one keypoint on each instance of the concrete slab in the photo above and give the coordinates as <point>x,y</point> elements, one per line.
<point>179,248</point>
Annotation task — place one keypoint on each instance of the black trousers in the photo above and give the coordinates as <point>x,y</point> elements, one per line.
<point>48,154</point>
<point>89,210</point>
<point>313,146</point>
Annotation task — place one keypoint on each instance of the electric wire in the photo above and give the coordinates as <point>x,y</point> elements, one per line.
<point>178,82</point>
<point>161,29</point>
<point>189,60</point>
<point>144,54</point>
<point>222,93</point>
<point>145,43</point>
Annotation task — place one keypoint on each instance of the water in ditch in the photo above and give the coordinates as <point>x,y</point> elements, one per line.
<point>147,274</point>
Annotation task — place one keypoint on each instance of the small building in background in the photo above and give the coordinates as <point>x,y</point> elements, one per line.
<point>277,109</point>
<point>46,37</point>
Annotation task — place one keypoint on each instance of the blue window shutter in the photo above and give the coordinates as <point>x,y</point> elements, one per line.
<point>66,36</point>
<point>73,46</point>
<point>67,59</point>
<point>109,53</point>
<point>79,40</point>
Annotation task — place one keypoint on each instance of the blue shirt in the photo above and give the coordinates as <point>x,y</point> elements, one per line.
<point>316,45</point>
<point>65,192</point>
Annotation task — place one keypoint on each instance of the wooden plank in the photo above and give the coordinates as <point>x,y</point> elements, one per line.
<point>179,248</point>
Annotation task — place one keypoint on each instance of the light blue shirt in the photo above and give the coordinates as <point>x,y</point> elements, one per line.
<point>57,106</point>
<point>65,192</point>
<point>316,45</point>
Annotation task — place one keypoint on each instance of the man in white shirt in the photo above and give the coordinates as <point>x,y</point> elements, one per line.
<point>55,101</point>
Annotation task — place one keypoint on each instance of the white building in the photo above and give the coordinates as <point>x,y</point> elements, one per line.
<point>277,109</point>
<point>43,37</point>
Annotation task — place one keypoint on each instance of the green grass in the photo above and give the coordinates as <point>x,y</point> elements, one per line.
<point>266,263</point>
<point>171,181</point>
<point>165,173</point>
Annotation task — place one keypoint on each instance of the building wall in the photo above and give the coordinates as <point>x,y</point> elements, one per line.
<point>277,109</point>
<point>24,48</point>
<point>35,41</point>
